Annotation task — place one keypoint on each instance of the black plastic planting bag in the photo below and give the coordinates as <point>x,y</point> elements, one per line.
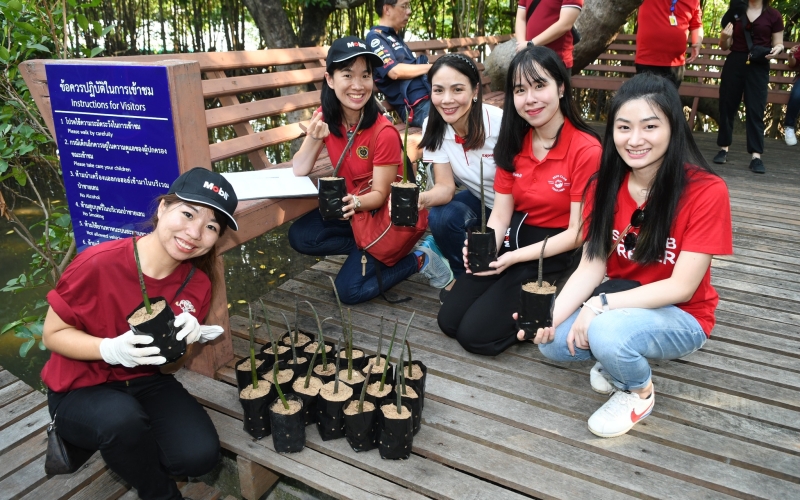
<point>286,387</point>
<point>396,436</point>
<point>299,347</point>
<point>481,249</point>
<point>284,352</point>
<point>301,368</point>
<point>377,375</point>
<point>330,418</point>
<point>404,205</point>
<point>162,330</point>
<point>535,311</point>
<point>419,384</point>
<point>414,403</point>
<point>361,430</point>
<point>256,414</point>
<point>331,192</point>
<point>244,377</point>
<point>309,407</point>
<point>288,431</point>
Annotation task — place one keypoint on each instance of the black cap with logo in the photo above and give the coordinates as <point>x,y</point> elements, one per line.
<point>348,48</point>
<point>200,185</point>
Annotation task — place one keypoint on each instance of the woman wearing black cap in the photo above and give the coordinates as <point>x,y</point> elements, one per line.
<point>349,110</point>
<point>104,390</point>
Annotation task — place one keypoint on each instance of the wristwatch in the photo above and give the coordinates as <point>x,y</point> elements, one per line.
<point>531,44</point>
<point>604,302</point>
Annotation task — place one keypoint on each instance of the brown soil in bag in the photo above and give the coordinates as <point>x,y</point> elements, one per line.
<point>376,368</point>
<point>410,392</point>
<point>281,350</point>
<point>294,407</point>
<point>330,371</point>
<point>330,178</point>
<point>302,339</point>
<point>314,385</point>
<point>300,361</point>
<point>250,393</point>
<point>416,373</point>
<point>356,354</point>
<point>404,184</point>
<point>141,315</point>
<point>357,377</point>
<point>283,376</point>
<point>372,389</point>
<point>312,348</point>
<point>245,367</point>
<point>533,287</point>
<point>345,392</point>
<point>390,411</point>
<point>352,407</point>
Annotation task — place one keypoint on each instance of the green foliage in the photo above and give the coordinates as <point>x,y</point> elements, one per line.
<point>28,326</point>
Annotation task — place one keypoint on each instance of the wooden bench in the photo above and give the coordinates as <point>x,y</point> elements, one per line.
<point>701,80</point>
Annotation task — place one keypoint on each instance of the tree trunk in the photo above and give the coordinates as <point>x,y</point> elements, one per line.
<point>599,23</point>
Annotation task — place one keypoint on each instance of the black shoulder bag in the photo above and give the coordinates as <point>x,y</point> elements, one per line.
<point>576,35</point>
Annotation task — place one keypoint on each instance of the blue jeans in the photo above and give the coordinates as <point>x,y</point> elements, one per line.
<point>793,108</point>
<point>449,224</point>
<point>623,340</point>
<point>311,235</point>
<point>420,113</point>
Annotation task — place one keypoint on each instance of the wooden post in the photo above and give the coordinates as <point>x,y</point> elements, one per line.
<point>254,479</point>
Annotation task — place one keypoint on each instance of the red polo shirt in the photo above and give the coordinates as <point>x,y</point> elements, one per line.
<point>359,160</point>
<point>545,188</point>
<point>545,15</point>
<point>658,42</point>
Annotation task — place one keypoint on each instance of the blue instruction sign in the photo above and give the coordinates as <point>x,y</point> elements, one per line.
<point>116,143</point>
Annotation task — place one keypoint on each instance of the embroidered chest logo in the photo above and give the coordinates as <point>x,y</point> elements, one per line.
<point>559,183</point>
<point>186,306</point>
<point>363,152</point>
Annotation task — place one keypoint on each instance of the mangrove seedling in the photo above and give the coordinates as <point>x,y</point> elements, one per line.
<point>320,338</point>
<point>410,114</point>
<point>364,388</point>
<point>292,340</point>
<point>336,383</point>
<point>541,263</point>
<point>275,367</point>
<point>347,331</point>
<point>410,361</point>
<point>388,357</point>
<point>252,347</point>
<point>320,345</point>
<point>483,201</point>
<point>145,298</point>
<point>400,361</point>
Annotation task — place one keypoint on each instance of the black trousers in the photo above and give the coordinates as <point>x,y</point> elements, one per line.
<point>671,73</point>
<point>752,80</point>
<point>477,311</point>
<point>146,430</point>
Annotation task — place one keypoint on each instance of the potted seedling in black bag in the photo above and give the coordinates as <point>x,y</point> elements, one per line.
<point>536,302</point>
<point>351,377</point>
<point>405,194</point>
<point>351,355</point>
<point>379,390</point>
<point>360,422</point>
<point>299,338</point>
<point>396,427</point>
<point>256,397</point>
<point>307,388</point>
<point>311,348</point>
<point>378,360</point>
<point>298,364</point>
<point>481,245</point>
<point>280,369</point>
<point>330,405</point>
<point>287,420</point>
<point>410,395</point>
<point>154,318</point>
<point>332,189</point>
<point>417,373</point>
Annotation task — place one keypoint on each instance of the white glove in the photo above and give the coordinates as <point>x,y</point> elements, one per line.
<point>193,332</point>
<point>191,327</point>
<point>122,350</point>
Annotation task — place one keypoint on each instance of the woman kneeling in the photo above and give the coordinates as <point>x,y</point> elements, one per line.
<point>657,216</point>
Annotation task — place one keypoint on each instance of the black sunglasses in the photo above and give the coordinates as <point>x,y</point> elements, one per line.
<point>627,237</point>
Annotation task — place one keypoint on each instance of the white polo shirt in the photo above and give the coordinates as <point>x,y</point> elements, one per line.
<point>466,164</point>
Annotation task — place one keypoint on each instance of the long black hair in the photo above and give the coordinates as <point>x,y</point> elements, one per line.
<point>434,133</point>
<point>534,64</point>
<point>667,185</point>
<point>332,108</point>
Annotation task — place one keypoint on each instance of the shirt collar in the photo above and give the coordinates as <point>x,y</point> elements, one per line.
<point>386,29</point>
<point>559,152</point>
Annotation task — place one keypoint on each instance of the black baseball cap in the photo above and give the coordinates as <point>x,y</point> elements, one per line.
<point>348,48</point>
<point>200,185</point>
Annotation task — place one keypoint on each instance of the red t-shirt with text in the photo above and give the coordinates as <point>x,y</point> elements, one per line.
<point>658,42</point>
<point>97,292</point>
<point>545,188</point>
<point>359,160</point>
<point>702,225</point>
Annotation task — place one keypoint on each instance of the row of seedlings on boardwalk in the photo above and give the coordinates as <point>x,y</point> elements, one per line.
<point>154,318</point>
<point>340,398</point>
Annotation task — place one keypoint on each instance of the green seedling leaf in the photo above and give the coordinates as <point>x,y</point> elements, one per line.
<point>24,348</point>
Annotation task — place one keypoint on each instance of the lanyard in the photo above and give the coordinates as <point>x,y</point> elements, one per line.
<point>672,7</point>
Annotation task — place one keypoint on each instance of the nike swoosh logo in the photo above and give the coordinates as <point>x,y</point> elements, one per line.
<point>635,418</point>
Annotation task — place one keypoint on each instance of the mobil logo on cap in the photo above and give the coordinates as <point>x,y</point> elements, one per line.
<point>216,189</point>
<point>356,44</point>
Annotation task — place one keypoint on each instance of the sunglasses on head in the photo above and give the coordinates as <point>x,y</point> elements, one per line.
<point>627,237</point>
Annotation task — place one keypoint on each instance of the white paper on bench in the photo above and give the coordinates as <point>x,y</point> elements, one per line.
<point>270,183</point>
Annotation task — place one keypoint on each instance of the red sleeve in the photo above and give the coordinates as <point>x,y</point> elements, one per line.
<point>697,18</point>
<point>503,181</point>
<point>587,162</point>
<point>74,297</point>
<point>708,223</point>
<point>387,148</point>
<point>572,3</point>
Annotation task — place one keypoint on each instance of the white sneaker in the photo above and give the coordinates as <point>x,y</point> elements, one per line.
<point>789,136</point>
<point>436,267</point>
<point>601,380</point>
<point>621,412</point>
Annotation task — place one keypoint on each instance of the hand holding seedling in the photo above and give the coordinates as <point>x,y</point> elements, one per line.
<point>543,335</point>
<point>123,351</point>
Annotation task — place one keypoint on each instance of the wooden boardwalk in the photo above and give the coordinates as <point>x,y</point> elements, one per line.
<point>726,423</point>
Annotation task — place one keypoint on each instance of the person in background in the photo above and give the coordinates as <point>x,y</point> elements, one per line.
<point>458,134</point>
<point>545,155</point>
<point>742,76</point>
<point>402,78</point>
<point>793,108</point>
<point>661,37</point>
<point>548,23</point>
<point>655,214</point>
<point>103,388</point>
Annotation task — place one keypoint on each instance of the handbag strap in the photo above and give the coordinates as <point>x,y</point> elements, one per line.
<point>185,282</point>
<point>747,35</point>
<point>530,9</point>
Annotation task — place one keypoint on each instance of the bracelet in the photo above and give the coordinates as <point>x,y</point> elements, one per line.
<point>595,310</point>
<point>356,203</point>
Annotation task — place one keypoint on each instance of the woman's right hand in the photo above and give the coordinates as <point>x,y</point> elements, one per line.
<point>726,33</point>
<point>543,335</point>
<point>317,128</point>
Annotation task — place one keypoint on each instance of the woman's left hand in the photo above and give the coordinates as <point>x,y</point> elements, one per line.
<point>578,336</point>
<point>502,263</point>
<point>193,332</point>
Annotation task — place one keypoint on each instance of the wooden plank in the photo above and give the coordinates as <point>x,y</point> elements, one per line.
<point>254,479</point>
<point>21,408</point>
<point>241,145</point>
<point>268,81</point>
<point>239,113</point>
<point>23,454</point>
<point>57,487</point>
<point>23,480</point>
<point>21,430</point>
<point>13,392</point>
<point>6,378</point>
<point>200,491</point>
<point>108,486</point>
